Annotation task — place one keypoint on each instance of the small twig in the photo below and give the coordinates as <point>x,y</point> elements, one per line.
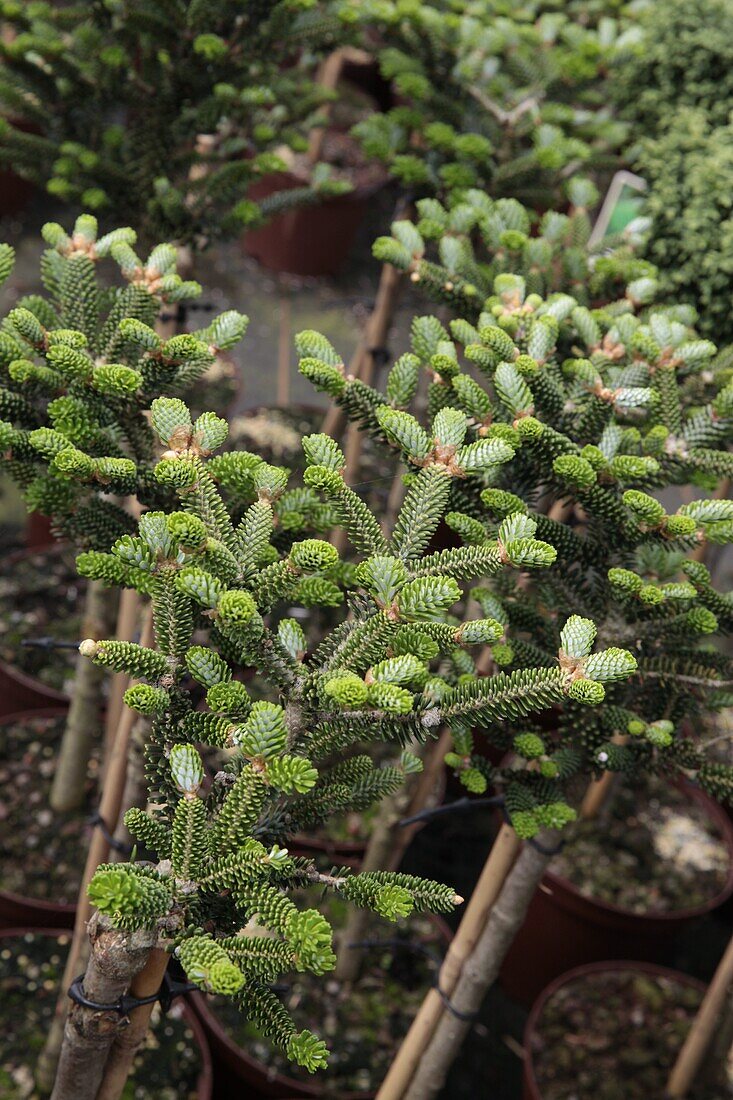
<point>505,118</point>
<point>47,643</point>
<point>695,680</point>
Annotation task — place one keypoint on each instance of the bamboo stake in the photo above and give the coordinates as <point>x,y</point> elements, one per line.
<point>283,348</point>
<point>599,791</point>
<point>374,336</point>
<point>128,616</point>
<point>387,844</point>
<point>481,968</point>
<point>328,77</point>
<point>121,1056</point>
<point>99,848</point>
<point>488,888</point>
<point>703,1028</point>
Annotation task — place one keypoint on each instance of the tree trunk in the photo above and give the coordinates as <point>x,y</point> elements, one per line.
<point>481,969</point>
<point>83,722</point>
<point>119,1061</point>
<point>116,957</point>
<point>488,888</point>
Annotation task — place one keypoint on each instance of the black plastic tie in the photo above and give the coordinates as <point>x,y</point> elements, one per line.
<point>124,1005</point>
<point>118,845</point>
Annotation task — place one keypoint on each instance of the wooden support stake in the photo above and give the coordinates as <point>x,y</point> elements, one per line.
<point>283,348</point>
<point>128,617</point>
<point>375,335</point>
<point>498,865</point>
<point>703,1029</point>
<point>110,805</point>
<point>599,791</point>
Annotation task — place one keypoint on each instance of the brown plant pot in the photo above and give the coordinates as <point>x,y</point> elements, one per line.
<point>18,691</point>
<point>564,928</point>
<point>38,533</point>
<point>15,192</point>
<point>20,910</point>
<point>235,1067</point>
<point>530,1086</point>
<point>205,1083</point>
<point>310,240</point>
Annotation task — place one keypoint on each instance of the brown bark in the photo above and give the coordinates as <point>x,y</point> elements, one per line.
<point>88,1034</point>
<point>481,968</point>
<point>119,1061</point>
<point>488,888</point>
<point>84,721</point>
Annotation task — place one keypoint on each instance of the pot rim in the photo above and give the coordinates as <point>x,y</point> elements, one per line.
<point>300,1089</point>
<point>53,695</point>
<point>45,908</point>
<point>725,827</point>
<point>569,976</point>
<point>205,1079</point>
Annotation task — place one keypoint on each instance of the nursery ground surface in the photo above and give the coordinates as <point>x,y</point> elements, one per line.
<point>615,1036</point>
<point>658,851</point>
<point>43,850</point>
<point>41,597</point>
<point>362,1024</point>
<point>166,1068</point>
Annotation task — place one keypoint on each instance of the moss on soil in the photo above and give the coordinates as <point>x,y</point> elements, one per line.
<point>43,596</point>
<point>657,851</point>
<point>43,850</point>
<point>615,1035</point>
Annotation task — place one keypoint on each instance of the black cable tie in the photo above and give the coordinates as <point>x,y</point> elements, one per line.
<point>460,805</point>
<point>47,642</point>
<point>380,354</point>
<point>547,851</point>
<point>123,1006</point>
<point>465,1017</point>
<point>118,845</point>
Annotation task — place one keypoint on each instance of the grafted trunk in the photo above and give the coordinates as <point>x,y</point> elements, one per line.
<point>115,958</point>
<point>119,1061</point>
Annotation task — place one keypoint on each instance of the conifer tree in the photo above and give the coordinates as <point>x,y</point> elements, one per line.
<point>221,570</point>
<point>79,365</point>
<point>162,114</point>
<point>604,407</point>
<point>510,98</point>
<point>671,83</point>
